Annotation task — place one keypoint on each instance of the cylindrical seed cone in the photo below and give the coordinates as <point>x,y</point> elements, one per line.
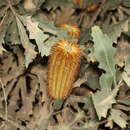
<point>62,68</point>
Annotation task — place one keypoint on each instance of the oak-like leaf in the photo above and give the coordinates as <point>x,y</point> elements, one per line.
<point>29,53</point>
<point>104,53</point>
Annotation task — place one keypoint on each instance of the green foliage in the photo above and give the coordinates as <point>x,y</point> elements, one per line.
<point>30,53</point>
<point>36,33</point>
<point>39,31</point>
<point>45,34</point>
<point>104,53</point>
<point>103,101</point>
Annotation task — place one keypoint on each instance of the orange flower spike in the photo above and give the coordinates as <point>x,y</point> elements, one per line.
<point>73,30</point>
<point>63,68</point>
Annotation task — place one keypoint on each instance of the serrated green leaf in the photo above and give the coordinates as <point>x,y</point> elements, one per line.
<point>103,101</point>
<point>104,54</point>
<point>30,53</point>
<point>36,33</point>
<point>43,40</point>
<point>116,117</point>
<point>47,26</point>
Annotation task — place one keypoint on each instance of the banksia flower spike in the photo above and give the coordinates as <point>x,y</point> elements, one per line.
<point>63,68</point>
<point>73,30</point>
